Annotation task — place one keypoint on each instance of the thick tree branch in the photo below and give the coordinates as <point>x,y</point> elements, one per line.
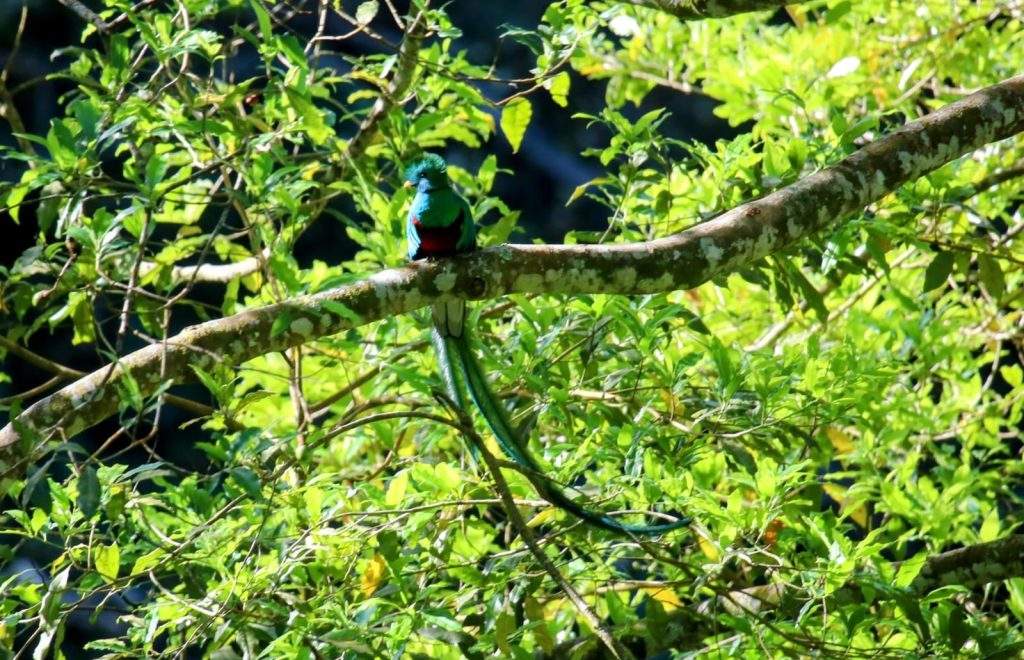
<point>973,566</point>
<point>67,373</point>
<point>732,240</point>
<point>692,10</point>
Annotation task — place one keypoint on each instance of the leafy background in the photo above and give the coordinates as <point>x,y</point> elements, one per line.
<point>849,403</point>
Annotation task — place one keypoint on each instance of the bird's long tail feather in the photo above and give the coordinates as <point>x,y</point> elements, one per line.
<point>457,362</point>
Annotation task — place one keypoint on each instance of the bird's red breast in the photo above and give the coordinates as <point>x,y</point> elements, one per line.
<point>437,241</point>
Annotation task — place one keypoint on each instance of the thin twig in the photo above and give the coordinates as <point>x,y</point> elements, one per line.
<point>87,15</point>
<point>7,108</point>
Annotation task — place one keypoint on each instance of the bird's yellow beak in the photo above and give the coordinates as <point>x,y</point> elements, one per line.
<point>408,184</point>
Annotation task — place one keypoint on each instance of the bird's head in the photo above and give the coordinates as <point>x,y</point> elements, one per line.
<point>427,173</point>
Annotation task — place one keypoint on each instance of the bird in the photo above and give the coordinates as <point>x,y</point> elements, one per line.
<point>440,224</point>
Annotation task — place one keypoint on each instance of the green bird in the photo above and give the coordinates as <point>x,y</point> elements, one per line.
<point>440,224</point>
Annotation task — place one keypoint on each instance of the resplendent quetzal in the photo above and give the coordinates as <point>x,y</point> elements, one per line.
<point>440,224</point>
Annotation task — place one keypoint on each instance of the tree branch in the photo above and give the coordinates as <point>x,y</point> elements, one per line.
<point>682,261</point>
<point>973,567</point>
<point>692,10</point>
<point>86,14</point>
<point>67,373</point>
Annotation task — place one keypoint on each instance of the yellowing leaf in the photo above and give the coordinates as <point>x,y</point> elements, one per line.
<point>396,489</point>
<point>535,612</point>
<point>544,516</point>
<point>372,575</point>
<point>841,440</point>
<point>310,170</point>
<point>108,561</point>
<point>665,596</point>
<point>858,515</point>
<point>707,547</point>
<point>514,120</point>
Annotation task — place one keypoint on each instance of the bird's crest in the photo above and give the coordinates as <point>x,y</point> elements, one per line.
<point>430,165</point>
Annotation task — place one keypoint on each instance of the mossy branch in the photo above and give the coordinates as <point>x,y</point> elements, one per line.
<point>732,240</point>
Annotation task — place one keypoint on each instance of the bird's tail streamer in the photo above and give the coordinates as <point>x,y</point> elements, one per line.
<point>457,362</point>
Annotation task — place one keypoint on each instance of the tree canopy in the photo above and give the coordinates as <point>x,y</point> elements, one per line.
<point>807,337</point>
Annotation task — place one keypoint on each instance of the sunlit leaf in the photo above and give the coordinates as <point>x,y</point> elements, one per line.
<point>515,117</point>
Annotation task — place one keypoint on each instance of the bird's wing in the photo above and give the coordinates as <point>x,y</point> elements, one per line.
<point>412,237</point>
<point>467,241</point>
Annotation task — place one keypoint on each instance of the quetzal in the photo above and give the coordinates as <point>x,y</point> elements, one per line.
<point>440,224</point>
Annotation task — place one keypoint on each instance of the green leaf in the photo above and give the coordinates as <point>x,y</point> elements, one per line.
<point>991,275</point>
<point>861,127</point>
<point>989,527</point>
<point>909,570</point>
<point>88,491</point>
<point>49,608</point>
<point>108,561</point>
<point>692,321</point>
<point>149,560</point>
<point>219,391</point>
<point>582,188</point>
<point>61,144</point>
<point>485,176</point>
<point>312,118</point>
<point>515,117</point>
<point>342,310</point>
<point>959,629</point>
<point>558,87</point>
<point>263,19</point>
<point>621,614</point>
<point>156,169</point>
<point>1013,375</point>
<point>938,270</point>
<point>367,11</point>
<point>502,229</point>
<point>116,501</point>
<point>396,489</point>
<point>215,452</point>
<point>504,627</point>
<point>812,296</point>
<point>281,323</point>
<point>88,117</point>
<point>248,480</point>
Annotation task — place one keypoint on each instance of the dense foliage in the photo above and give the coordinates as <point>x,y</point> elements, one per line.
<point>829,417</point>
